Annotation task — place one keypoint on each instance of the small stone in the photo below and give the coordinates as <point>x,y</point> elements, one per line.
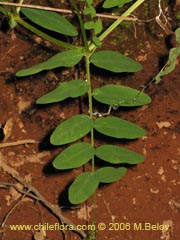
<point>163,124</point>
<point>153,190</point>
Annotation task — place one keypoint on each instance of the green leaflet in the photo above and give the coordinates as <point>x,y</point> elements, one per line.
<point>115,3</point>
<point>90,10</point>
<point>89,1</point>
<point>73,89</point>
<point>92,24</point>
<point>115,62</point>
<point>177,33</point>
<point>71,129</point>
<point>87,183</point>
<point>83,187</point>
<point>63,59</point>
<point>98,27</point>
<point>118,128</point>
<point>50,20</point>
<point>171,63</point>
<point>117,155</point>
<point>109,174</point>
<point>74,156</point>
<point>116,95</point>
<point>89,25</point>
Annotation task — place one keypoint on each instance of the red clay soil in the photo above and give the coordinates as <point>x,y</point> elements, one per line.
<point>145,204</point>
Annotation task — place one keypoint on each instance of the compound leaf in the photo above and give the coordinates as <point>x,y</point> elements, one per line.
<point>110,174</point>
<point>118,128</point>
<point>73,89</point>
<point>63,59</point>
<point>116,95</point>
<point>71,129</point>
<point>118,155</point>
<point>115,3</point>
<point>115,62</point>
<point>50,20</point>
<point>83,187</point>
<point>74,156</point>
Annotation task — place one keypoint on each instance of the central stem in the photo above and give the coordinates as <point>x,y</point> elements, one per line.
<point>87,62</point>
<point>88,79</point>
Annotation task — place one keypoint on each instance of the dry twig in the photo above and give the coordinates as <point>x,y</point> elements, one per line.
<point>66,11</point>
<point>164,25</point>
<point>19,142</point>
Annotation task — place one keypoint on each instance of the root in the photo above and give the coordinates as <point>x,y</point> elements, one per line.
<point>27,190</point>
<point>14,206</point>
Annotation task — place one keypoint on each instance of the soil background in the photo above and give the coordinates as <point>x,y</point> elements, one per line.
<point>150,191</point>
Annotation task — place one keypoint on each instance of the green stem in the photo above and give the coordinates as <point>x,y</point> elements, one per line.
<point>88,76</point>
<point>87,63</point>
<point>92,47</point>
<point>88,79</point>
<point>44,35</point>
<point>81,25</point>
<point>3,11</point>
